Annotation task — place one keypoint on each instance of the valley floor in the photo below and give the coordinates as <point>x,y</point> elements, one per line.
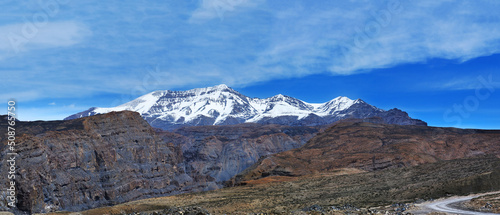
<point>394,190</point>
<point>461,205</point>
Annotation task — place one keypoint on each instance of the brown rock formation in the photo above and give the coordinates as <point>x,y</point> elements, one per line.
<point>223,151</point>
<point>118,157</point>
<point>369,146</point>
<point>91,162</point>
<point>337,192</point>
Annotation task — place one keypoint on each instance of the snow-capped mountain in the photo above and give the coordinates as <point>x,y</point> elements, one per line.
<point>221,105</point>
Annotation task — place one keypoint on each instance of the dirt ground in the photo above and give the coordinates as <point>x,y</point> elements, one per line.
<point>489,203</point>
<point>397,190</point>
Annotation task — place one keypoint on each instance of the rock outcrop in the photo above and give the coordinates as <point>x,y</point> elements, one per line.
<point>374,146</point>
<point>91,162</point>
<point>223,151</point>
<point>117,157</point>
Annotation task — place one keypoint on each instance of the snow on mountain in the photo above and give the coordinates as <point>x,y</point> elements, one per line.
<point>221,104</point>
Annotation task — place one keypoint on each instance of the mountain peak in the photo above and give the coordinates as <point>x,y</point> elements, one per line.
<point>279,97</point>
<point>216,88</point>
<point>359,101</point>
<point>221,105</point>
<point>343,99</point>
<point>221,86</point>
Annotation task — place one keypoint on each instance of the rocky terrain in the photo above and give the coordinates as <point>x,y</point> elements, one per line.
<point>113,158</point>
<point>223,151</point>
<point>374,146</point>
<point>488,204</point>
<point>118,157</point>
<point>392,190</point>
<point>222,105</point>
<point>91,162</point>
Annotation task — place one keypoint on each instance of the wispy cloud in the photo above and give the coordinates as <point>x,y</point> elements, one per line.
<point>91,47</point>
<point>416,32</point>
<point>469,83</point>
<point>210,9</point>
<point>304,38</point>
<point>21,37</point>
<point>28,95</point>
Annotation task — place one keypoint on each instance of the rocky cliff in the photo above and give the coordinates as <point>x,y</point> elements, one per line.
<point>92,162</point>
<point>117,157</point>
<point>374,146</point>
<point>223,151</point>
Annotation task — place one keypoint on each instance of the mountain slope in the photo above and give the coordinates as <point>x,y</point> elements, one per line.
<point>221,105</point>
<point>371,147</point>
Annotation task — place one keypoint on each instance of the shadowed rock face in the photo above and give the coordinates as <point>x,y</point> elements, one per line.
<point>92,162</point>
<point>370,146</point>
<point>223,151</point>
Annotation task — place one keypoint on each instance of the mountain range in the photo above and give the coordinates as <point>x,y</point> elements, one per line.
<point>108,159</point>
<point>222,105</point>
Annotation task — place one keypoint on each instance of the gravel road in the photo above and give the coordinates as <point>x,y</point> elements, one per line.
<point>449,205</point>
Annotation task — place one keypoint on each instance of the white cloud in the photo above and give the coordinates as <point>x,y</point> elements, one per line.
<point>236,42</point>
<point>490,82</point>
<point>28,95</point>
<point>15,38</point>
<point>342,38</point>
<point>210,9</point>
<point>419,31</point>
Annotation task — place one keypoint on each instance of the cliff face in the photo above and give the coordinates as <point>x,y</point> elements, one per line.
<point>91,162</point>
<point>223,151</point>
<point>370,147</point>
<point>117,157</point>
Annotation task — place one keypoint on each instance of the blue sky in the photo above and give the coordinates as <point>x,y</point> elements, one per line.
<point>437,60</point>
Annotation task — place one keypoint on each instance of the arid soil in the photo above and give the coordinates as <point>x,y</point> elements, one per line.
<point>337,191</point>
<point>488,203</point>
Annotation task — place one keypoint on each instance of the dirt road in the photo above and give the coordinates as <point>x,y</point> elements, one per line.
<point>449,205</point>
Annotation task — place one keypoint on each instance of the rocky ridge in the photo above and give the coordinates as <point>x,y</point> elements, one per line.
<point>374,146</point>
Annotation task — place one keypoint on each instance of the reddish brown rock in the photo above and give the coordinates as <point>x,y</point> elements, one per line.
<point>91,162</point>
<point>370,146</point>
<point>118,157</point>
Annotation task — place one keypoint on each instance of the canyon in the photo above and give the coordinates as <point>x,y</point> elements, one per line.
<point>107,159</point>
